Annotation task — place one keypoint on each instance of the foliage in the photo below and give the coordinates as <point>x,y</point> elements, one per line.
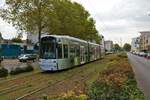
<point>72,96</point>
<point>19,70</point>
<point>127,47</point>
<point>117,48</point>
<point>51,16</point>
<point>116,83</point>
<point>122,55</point>
<point>3,72</point>
<point>1,38</point>
<point>17,40</point>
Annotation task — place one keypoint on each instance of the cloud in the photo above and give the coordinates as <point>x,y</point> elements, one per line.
<point>7,30</point>
<point>115,19</point>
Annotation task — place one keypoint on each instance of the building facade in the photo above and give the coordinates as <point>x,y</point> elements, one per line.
<point>135,44</point>
<point>145,41</point>
<point>102,43</point>
<point>108,45</point>
<point>32,38</point>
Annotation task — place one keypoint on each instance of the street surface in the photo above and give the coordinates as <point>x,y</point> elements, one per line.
<point>141,67</point>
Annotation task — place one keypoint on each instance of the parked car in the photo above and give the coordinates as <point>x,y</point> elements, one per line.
<point>27,57</point>
<point>142,54</point>
<point>1,59</point>
<point>148,56</point>
<point>109,52</point>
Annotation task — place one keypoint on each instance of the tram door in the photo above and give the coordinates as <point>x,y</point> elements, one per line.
<point>82,54</point>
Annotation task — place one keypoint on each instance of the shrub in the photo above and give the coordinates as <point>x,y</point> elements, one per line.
<point>28,68</point>
<point>72,96</point>
<point>116,83</point>
<point>16,71</point>
<point>101,90</point>
<point>122,55</point>
<point>3,72</point>
<point>19,70</point>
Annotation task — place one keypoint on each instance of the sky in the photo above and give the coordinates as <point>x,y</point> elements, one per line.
<point>116,20</point>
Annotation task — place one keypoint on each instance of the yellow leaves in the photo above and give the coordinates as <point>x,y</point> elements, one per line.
<point>117,73</point>
<point>70,95</point>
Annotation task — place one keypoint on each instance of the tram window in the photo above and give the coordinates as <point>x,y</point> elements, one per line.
<point>59,47</point>
<point>72,49</point>
<point>65,51</point>
<point>78,51</point>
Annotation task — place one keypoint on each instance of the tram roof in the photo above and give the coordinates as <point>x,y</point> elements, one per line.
<point>70,38</point>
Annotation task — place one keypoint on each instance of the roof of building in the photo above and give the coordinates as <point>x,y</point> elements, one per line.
<point>143,32</point>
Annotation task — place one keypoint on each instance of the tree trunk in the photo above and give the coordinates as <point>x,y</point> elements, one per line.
<point>39,39</point>
<point>39,27</point>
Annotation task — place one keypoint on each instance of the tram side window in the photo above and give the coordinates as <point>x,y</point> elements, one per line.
<point>72,51</point>
<point>78,51</point>
<point>65,51</point>
<point>59,47</point>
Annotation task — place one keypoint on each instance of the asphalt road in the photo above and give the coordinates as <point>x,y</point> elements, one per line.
<point>141,67</point>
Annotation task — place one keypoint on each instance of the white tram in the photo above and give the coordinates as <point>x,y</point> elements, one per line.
<point>62,52</point>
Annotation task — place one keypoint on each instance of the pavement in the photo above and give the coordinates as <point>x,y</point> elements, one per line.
<point>141,68</point>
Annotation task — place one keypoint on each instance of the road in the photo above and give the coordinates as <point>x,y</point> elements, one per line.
<point>141,67</point>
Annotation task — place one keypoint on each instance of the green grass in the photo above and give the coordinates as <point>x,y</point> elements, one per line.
<point>90,70</point>
<point>98,69</point>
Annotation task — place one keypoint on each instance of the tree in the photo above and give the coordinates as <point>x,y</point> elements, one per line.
<point>75,20</point>
<point>127,47</point>
<point>117,48</point>
<point>1,38</point>
<point>50,16</point>
<point>17,40</point>
<point>30,15</point>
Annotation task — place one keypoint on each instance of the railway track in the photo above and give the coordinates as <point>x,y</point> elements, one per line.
<point>14,87</point>
<point>13,83</point>
<point>40,82</point>
<point>82,77</point>
<point>45,87</point>
<point>24,76</point>
<point>24,91</point>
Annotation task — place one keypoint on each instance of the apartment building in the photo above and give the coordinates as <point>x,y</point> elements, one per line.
<point>108,45</point>
<point>135,44</point>
<point>145,40</point>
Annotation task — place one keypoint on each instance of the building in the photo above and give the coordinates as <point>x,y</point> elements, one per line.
<point>135,44</point>
<point>108,45</point>
<point>102,43</point>
<point>145,41</point>
<point>32,38</point>
<point>15,49</point>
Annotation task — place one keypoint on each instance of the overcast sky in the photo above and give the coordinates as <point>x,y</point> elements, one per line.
<point>117,20</point>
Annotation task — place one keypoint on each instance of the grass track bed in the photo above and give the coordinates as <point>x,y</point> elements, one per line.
<point>47,83</point>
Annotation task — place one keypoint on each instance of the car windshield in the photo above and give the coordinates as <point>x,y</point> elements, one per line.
<point>48,46</point>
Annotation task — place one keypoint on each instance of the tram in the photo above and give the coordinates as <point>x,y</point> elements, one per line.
<point>60,52</point>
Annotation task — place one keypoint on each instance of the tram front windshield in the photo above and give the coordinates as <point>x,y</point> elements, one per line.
<point>48,48</point>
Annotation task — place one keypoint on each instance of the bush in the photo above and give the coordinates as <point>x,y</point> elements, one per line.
<point>16,71</point>
<point>72,96</point>
<point>101,90</point>
<point>116,83</point>
<point>28,68</point>
<point>3,72</point>
<point>19,70</point>
<point>122,55</point>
